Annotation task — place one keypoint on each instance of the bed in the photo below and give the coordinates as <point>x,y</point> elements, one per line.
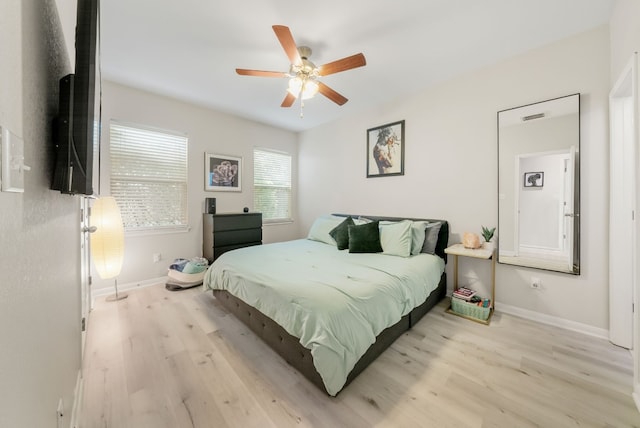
<point>329,312</point>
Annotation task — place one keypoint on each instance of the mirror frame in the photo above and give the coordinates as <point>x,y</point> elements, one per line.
<point>531,262</point>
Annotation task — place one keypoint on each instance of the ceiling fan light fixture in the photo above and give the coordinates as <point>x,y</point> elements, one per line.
<point>306,88</point>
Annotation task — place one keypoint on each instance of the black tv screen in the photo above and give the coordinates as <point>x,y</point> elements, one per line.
<point>77,127</point>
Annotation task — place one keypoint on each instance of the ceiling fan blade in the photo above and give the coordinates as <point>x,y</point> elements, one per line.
<point>353,61</point>
<point>331,94</point>
<point>286,40</point>
<point>288,100</point>
<point>260,73</point>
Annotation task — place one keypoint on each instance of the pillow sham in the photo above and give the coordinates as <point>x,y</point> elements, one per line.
<point>431,237</point>
<point>341,233</point>
<point>321,227</point>
<point>365,238</point>
<point>418,235</point>
<point>395,238</point>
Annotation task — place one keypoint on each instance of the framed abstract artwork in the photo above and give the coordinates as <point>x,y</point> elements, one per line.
<point>222,173</point>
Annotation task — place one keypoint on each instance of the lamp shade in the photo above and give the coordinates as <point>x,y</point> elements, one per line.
<point>107,242</point>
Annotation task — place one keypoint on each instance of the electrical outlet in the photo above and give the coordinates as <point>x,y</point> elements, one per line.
<point>536,284</point>
<point>157,257</point>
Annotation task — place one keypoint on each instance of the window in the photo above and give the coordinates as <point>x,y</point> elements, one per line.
<point>149,176</point>
<point>272,185</point>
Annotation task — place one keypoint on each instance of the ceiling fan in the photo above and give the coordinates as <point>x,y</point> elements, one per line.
<point>303,74</point>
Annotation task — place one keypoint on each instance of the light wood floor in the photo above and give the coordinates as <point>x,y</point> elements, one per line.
<point>178,359</point>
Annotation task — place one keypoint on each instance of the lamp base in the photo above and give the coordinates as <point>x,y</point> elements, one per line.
<point>116,297</point>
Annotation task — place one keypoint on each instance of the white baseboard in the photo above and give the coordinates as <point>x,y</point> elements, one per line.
<point>107,291</point>
<point>554,321</point>
<point>77,401</point>
<point>636,395</point>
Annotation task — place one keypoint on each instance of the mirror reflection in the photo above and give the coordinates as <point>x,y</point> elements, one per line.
<point>538,185</point>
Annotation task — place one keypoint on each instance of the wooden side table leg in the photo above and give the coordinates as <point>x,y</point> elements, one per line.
<point>493,281</point>
<point>455,272</point>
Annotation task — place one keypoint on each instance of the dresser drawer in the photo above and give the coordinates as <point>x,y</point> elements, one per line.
<point>235,221</point>
<point>232,237</point>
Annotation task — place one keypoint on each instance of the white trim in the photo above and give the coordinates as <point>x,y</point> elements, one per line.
<point>636,396</point>
<point>554,321</point>
<point>77,401</point>
<point>107,291</point>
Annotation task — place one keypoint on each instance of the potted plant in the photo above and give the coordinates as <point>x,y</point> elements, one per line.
<point>487,234</point>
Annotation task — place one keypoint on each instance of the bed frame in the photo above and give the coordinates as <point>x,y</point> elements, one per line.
<point>289,347</point>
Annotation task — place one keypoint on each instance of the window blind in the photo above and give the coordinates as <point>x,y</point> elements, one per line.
<point>272,184</point>
<point>149,176</point>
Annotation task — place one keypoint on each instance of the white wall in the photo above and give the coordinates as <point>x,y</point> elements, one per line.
<point>625,35</point>
<point>209,132</point>
<point>451,167</point>
<point>39,229</point>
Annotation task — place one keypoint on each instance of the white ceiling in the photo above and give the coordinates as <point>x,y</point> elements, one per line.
<point>189,49</point>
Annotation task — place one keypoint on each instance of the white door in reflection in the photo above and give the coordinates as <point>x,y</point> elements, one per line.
<point>544,214</point>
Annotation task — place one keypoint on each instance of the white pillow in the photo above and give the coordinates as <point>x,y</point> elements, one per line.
<point>418,234</point>
<point>322,226</point>
<point>395,237</point>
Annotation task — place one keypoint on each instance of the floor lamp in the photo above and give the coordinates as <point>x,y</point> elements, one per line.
<point>107,242</point>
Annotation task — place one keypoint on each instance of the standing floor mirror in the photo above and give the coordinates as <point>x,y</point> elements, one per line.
<point>539,185</point>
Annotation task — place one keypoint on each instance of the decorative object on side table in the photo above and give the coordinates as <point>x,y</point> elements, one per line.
<point>487,234</point>
<point>471,240</point>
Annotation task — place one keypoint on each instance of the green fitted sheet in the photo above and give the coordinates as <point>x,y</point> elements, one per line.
<point>335,302</point>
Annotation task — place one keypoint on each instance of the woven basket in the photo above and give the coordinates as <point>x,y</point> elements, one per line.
<point>469,309</point>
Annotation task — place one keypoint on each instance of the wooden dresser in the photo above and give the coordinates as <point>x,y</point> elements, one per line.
<point>225,232</point>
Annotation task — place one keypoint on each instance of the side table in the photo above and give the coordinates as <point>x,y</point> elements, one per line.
<point>458,250</point>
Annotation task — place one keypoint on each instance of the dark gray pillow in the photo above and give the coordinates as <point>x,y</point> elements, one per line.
<point>431,237</point>
<point>365,238</point>
<point>341,233</point>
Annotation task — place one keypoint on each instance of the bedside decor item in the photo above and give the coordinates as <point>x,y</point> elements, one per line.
<point>222,173</point>
<point>107,242</point>
<point>471,240</point>
<point>385,150</point>
<point>487,233</point>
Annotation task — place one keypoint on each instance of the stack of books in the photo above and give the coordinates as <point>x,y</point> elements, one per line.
<point>469,295</point>
<point>464,293</point>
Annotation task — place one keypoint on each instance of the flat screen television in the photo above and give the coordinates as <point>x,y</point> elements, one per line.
<point>77,127</point>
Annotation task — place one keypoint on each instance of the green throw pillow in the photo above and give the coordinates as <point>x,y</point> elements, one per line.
<point>365,238</point>
<point>341,233</point>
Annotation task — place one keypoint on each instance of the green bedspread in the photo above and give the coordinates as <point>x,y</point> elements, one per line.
<point>334,301</point>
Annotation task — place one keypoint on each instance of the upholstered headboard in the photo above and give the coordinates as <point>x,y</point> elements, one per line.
<point>443,235</point>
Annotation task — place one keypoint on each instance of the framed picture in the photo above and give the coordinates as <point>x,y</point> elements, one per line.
<point>222,173</point>
<point>533,179</point>
<point>385,150</point>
